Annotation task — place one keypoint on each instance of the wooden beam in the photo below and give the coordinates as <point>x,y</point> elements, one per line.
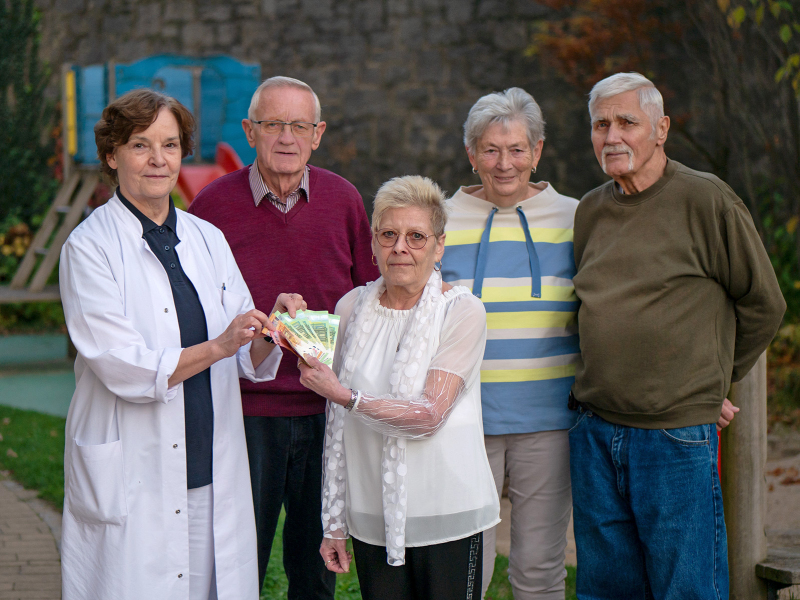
<point>45,230</point>
<point>89,183</point>
<point>8,295</point>
<point>744,456</point>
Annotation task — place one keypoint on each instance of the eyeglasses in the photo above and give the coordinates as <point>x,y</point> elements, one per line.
<point>298,128</point>
<point>415,240</point>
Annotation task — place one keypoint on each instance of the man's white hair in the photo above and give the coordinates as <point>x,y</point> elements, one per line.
<point>277,82</point>
<point>514,104</point>
<point>650,99</point>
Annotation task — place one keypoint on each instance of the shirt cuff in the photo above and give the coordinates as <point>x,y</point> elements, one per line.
<point>266,371</point>
<point>166,367</point>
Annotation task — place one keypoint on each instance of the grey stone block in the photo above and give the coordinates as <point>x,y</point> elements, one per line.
<point>413,98</point>
<point>220,12</point>
<point>369,15</point>
<point>196,36</point>
<point>411,31</point>
<point>458,11</point>
<point>65,7</point>
<point>511,35</point>
<point>181,11</point>
<point>226,34</point>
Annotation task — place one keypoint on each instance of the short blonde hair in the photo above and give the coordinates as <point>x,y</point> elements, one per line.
<point>411,191</point>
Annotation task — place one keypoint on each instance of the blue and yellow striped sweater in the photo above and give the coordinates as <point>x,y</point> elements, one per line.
<point>532,343</point>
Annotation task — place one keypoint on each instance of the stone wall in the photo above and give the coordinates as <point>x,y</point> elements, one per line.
<point>396,77</point>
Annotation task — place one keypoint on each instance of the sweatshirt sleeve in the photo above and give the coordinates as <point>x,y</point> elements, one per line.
<point>745,270</point>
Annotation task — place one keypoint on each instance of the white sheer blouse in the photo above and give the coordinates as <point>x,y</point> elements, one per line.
<point>450,489</point>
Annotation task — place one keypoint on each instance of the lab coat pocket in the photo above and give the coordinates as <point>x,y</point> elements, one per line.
<point>233,304</point>
<point>96,489</point>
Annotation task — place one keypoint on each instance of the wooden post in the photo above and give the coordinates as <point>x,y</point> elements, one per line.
<point>744,456</point>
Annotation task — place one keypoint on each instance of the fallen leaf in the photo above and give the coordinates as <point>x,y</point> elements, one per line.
<point>53,433</point>
<point>11,453</point>
<point>789,480</point>
<point>770,488</point>
<point>6,421</point>
<point>777,472</point>
<point>1,437</point>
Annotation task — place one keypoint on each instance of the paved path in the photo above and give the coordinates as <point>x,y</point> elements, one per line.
<point>30,567</point>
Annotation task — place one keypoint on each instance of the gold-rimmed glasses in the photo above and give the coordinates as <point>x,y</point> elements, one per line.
<point>415,240</point>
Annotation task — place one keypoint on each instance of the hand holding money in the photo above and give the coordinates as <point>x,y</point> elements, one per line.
<point>290,303</point>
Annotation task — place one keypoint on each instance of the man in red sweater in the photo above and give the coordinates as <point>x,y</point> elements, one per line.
<point>291,227</point>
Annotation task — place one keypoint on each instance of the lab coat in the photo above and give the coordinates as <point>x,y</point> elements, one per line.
<point>125,526</point>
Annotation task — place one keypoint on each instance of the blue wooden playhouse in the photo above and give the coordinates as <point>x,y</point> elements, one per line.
<point>215,89</point>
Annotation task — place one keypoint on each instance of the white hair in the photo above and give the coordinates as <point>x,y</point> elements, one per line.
<point>650,100</point>
<point>280,81</point>
<point>514,104</point>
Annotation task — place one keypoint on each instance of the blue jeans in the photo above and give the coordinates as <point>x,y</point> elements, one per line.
<point>647,512</point>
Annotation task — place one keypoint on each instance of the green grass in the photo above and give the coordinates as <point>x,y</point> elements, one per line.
<point>275,584</point>
<point>32,450</point>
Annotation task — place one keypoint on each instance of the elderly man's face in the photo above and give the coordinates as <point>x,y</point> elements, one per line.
<point>283,153</point>
<point>622,135</point>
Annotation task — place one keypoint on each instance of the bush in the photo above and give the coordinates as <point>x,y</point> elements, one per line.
<point>26,183</point>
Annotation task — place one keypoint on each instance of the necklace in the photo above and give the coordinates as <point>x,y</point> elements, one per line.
<point>402,332</point>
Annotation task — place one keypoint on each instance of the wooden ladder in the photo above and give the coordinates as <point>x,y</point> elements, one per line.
<point>23,287</point>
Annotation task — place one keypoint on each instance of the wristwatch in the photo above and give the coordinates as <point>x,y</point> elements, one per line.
<point>353,400</point>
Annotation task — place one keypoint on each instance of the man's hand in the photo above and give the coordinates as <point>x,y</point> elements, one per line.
<point>335,555</point>
<point>728,412</point>
<point>290,303</point>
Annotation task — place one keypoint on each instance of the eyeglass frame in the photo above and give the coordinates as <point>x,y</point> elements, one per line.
<point>410,231</point>
<point>284,123</point>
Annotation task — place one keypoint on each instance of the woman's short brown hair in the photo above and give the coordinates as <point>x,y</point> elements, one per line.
<point>134,112</point>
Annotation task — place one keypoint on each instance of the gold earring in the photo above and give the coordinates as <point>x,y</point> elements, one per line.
<point>373,261</point>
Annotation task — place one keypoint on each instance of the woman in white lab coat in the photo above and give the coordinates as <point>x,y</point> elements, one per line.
<point>164,326</point>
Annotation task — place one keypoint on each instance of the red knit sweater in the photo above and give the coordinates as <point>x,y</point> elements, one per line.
<point>320,249</point>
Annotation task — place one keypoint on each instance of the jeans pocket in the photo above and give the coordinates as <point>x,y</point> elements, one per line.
<point>96,484</point>
<point>695,435</point>
<point>581,416</point>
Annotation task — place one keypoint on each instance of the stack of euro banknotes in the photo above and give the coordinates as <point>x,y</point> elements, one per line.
<point>310,332</point>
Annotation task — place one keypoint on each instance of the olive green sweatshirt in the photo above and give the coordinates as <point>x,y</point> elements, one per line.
<point>678,299</point>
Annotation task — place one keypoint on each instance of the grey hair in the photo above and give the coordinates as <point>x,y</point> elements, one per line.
<point>650,99</point>
<point>514,104</point>
<point>411,191</point>
<point>281,81</point>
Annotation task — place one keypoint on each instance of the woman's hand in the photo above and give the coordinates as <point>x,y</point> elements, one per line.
<point>321,379</point>
<point>240,331</point>
<point>335,555</point>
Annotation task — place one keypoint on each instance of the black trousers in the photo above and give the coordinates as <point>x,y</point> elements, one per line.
<point>286,470</point>
<point>448,571</point>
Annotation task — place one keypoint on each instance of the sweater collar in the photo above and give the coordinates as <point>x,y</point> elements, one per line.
<point>465,199</point>
<point>646,194</point>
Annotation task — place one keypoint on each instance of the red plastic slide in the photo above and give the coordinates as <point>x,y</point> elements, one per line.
<point>194,178</point>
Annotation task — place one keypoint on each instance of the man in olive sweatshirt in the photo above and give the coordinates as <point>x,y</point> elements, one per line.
<point>678,299</point>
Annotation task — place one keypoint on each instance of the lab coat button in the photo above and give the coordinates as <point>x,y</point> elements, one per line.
<point>166,310</point>
<point>180,575</point>
<point>174,445</point>
<point>177,512</point>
